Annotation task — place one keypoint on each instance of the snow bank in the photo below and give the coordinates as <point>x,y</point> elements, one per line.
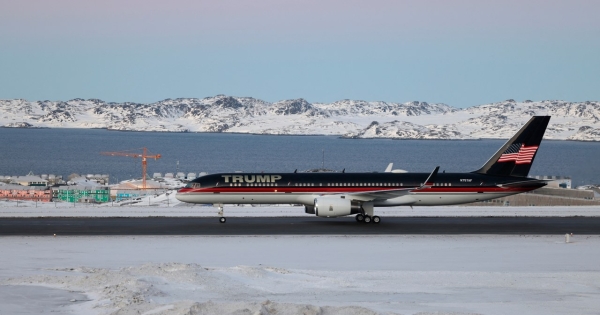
<point>308,274</point>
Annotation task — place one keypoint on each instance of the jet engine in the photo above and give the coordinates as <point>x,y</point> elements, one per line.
<point>309,209</point>
<point>335,207</point>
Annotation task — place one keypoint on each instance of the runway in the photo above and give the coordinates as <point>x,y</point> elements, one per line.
<point>299,226</point>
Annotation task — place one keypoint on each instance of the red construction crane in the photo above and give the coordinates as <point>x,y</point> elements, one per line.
<point>144,155</point>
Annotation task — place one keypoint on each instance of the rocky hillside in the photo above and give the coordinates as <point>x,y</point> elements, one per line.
<point>348,118</point>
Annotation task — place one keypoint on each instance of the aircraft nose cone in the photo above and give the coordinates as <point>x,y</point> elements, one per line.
<point>184,195</point>
<point>180,196</point>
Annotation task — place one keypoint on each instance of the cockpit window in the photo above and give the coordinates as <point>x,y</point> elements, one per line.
<point>192,185</point>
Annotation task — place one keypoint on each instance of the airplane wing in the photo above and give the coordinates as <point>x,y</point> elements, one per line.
<point>393,193</point>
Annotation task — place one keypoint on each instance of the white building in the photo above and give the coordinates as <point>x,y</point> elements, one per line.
<point>29,180</point>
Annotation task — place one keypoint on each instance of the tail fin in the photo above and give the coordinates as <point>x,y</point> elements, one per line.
<point>389,168</point>
<point>516,156</point>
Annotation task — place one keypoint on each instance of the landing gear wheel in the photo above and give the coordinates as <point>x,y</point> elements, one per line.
<point>367,219</point>
<point>222,218</point>
<point>376,219</point>
<point>360,217</point>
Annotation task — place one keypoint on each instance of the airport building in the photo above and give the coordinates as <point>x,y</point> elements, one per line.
<point>556,181</point>
<point>545,197</point>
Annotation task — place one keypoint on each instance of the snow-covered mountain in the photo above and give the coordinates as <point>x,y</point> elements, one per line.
<point>349,118</point>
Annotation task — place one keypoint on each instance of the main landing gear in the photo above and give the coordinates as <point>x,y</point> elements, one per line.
<point>367,218</point>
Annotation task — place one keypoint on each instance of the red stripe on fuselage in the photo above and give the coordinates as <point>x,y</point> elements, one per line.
<point>341,190</point>
<point>285,189</point>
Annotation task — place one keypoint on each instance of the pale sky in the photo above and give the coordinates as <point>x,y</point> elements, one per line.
<point>462,53</point>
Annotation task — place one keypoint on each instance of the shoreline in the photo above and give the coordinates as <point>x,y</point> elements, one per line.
<point>339,136</point>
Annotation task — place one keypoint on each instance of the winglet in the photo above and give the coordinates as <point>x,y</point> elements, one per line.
<point>431,179</point>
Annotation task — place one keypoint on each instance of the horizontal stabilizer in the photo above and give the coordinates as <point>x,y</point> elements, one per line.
<point>527,183</point>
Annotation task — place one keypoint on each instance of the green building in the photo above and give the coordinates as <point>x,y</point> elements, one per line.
<point>91,194</point>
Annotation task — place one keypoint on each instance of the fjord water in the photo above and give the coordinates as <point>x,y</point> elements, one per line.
<point>67,151</point>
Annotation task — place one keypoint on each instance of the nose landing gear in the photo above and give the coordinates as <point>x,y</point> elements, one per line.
<point>222,219</point>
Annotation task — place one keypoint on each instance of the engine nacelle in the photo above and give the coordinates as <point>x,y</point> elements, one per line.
<point>335,207</point>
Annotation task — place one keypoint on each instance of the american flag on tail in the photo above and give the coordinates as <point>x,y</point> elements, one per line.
<point>518,153</point>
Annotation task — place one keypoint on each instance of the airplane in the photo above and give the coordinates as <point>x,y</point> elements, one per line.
<point>343,194</point>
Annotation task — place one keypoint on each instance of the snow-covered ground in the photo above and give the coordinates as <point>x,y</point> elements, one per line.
<point>464,274</point>
<point>168,205</point>
<point>300,275</point>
